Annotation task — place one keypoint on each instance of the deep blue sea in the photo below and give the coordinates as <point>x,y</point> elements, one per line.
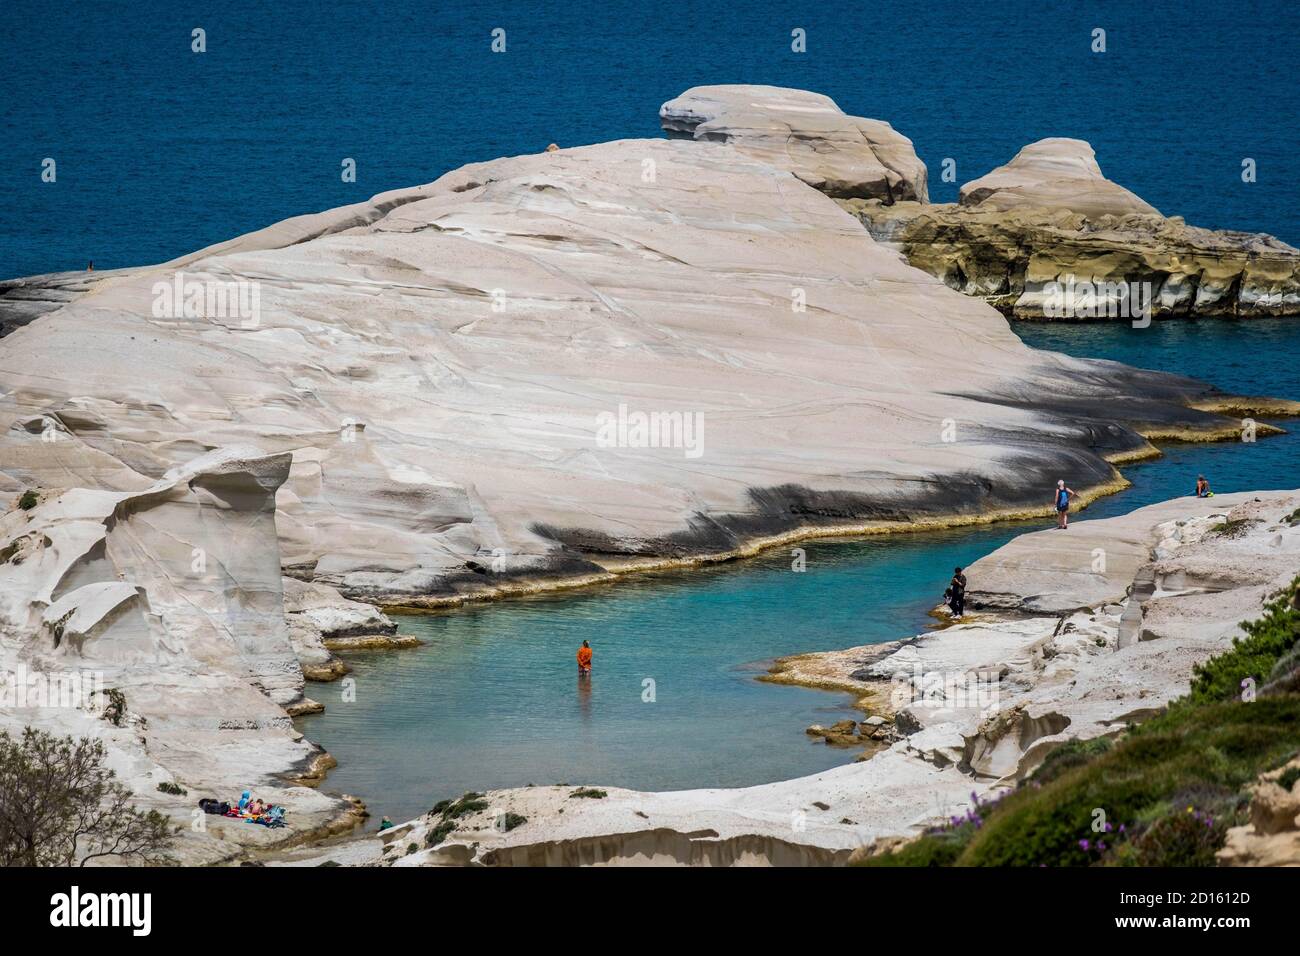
<point>160,151</point>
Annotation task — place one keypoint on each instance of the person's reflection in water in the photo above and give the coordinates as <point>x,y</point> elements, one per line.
<point>584,693</point>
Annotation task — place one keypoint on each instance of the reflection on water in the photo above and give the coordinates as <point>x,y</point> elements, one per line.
<point>490,700</point>
<point>584,695</point>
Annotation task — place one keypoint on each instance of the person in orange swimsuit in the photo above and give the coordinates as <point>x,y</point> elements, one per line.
<point>584,658</point>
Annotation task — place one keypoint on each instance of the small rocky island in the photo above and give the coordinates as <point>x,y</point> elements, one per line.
<point>1047,216</point>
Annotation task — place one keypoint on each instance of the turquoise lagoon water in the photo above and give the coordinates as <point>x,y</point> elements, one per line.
<point>493,700</point>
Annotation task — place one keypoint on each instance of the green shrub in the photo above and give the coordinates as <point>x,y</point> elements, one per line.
<point>464,807</point>
<point>1073,753</point>
<point>1220,747</point>
<point>1267,640</point>
<point>465,803</point>
<point>115,709</point>
<point>71,807</point>
<point>1183,838</point>
<point>439,833</point>
<point>174,789</point>
<point>450,811</point>
<point>590,793</point>
<point>933,849</point>
<point>29,500</point>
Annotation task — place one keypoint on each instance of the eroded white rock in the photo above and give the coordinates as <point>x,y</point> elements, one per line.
<point>1058,174</point>
<point>805,133</point>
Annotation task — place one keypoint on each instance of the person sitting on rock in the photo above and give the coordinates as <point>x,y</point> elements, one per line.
<point>584,658</point>
<point>1203,487</point>
<point>1063,496</point>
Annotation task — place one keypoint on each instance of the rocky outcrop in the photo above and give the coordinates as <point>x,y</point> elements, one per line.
<point>1272,837</point>
<point>23,300</point>
<point>320,621</point>
<point>1054,174</point>
<point>158,614</point>
<point>537,370</point>
<point>1094,563</point>
<point>804,133</point>
<point>1036,263</point>
<point>1120,610</point>
<point>1047,236</point>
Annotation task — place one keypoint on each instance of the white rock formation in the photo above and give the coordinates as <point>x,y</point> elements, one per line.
<point>805,133</point>
<point>1056,174</point>
<point>169,595</point>
<point>458,371</point>
<point>317,615</point>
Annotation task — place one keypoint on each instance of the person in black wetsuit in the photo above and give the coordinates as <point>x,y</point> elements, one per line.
<point>957,593</point>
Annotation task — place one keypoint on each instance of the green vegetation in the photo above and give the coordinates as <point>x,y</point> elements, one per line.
<point>1163,794</point>
<point>940,848</point>
<point>174,789</point>
<point>470,803</point>
<point>115,709</point>
<point>590,793</point>
<point>60,806</point>
<point>1073,753</point>
<point>513,820</point>
<point>440,832</point>
<point>449,811</point>
<point>1267,642</point>
<point>466,803</point>
<point>29,500</point>
<point>1232,528</point>
<point>1189,838</point>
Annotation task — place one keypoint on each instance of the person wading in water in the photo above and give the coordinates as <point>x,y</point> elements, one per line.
<point>584,658</point>
<point>1063,496</point>
<point>956,593</point>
